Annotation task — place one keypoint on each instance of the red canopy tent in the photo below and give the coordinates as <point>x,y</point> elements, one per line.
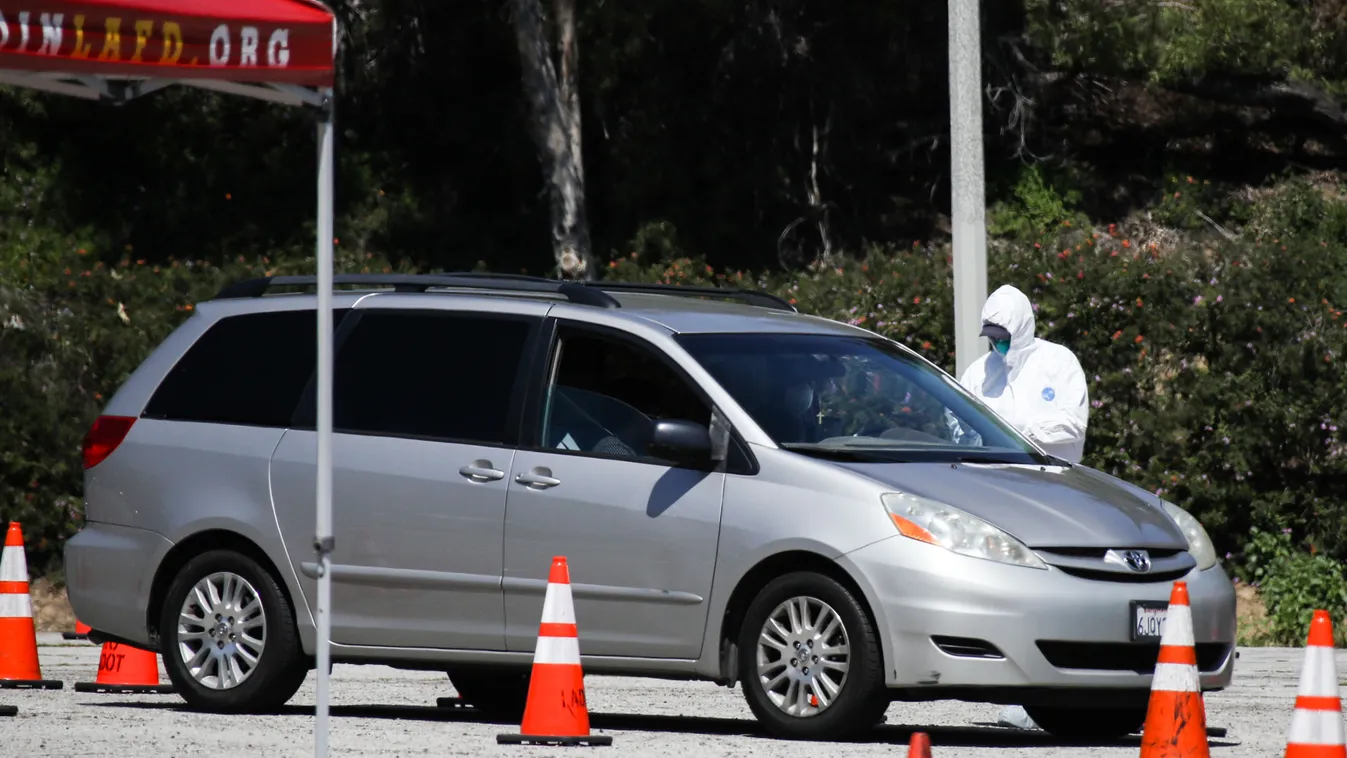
<point>282,51</point>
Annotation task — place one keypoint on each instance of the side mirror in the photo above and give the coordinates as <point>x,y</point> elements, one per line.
<point>684,442</point>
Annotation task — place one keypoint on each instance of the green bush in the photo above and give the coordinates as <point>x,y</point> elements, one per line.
<point>1293,584</point>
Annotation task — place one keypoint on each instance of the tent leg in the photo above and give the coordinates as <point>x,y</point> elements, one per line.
<point>323,541</point>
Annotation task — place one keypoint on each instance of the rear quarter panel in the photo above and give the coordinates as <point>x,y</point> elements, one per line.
<point>178,479</point>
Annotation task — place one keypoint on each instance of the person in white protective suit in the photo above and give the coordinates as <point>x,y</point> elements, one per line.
<point>1035,385</point>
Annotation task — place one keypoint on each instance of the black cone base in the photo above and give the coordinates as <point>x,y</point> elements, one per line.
<point>30,684</point>
<point>457,703</point>
<point>74,636</point>
<point>124,689</point>
<point>9,710</point>
<point>593,740</point>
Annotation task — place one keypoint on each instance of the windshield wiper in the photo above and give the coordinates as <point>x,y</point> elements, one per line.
<point>1034,460</point>
<point>857,454</point>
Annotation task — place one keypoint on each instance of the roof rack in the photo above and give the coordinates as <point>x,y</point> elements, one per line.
<point>572,291</point>
<point>581,293</point>
<point>749,297</point>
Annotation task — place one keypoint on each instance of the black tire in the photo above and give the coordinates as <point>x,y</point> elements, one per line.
<point>1089,723</point>
<point>497,691</point>
<point>282,665</point>
<point>862,698</point>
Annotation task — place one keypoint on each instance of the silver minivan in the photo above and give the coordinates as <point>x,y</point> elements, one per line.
<point>745,494</point>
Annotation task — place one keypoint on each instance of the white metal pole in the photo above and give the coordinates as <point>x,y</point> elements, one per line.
<point>323,541</point>
<point>968,198</point>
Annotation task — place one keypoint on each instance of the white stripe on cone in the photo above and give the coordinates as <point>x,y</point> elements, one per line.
<point>15,605</point>
<point>1319,678</point>
<point>1316,727</point>
<point>558,607</point>
<point>13,566</point>
<point>1175,677</point>
<point>1178,627</point>
<point>557,650</point>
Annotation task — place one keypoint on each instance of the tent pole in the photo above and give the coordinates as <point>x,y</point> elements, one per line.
<point>323,541</point>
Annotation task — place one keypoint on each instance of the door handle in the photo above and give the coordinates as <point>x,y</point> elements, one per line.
<point>538,478</point>
<point>482,471</point>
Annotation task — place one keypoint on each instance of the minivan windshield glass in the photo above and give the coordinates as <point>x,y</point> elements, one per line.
<point>855,398</point>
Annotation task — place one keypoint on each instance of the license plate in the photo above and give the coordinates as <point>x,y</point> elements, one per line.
<point>1148,620</point>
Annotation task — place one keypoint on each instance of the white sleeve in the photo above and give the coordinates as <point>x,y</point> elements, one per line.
<point>1068,420</point>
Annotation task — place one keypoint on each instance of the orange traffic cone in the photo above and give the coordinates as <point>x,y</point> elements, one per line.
<point>1316,723</point>
<point>919,746</point>
<point>126,670</point>
<point>19,668</point>
<point>555,713</point>
<point>81,632</point>
<point>1176,718</point>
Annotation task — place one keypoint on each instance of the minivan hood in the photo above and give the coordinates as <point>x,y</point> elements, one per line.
<point>1042,506</point>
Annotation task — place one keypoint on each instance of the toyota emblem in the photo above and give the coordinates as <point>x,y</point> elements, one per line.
<point>1138,560</point>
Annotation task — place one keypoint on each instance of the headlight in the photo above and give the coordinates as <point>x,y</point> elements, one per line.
<point>1199,544</point>
<point>954,530</point>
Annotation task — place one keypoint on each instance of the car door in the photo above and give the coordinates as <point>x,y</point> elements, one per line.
<point>639,534</point>
<point>425,425</point>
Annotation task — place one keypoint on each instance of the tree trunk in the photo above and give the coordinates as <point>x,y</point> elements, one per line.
<point>554,120</point>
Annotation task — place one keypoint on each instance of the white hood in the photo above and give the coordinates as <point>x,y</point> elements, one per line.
<point>1009,308</point>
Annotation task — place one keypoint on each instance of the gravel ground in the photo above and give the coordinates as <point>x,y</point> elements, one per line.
<point>379,711</point>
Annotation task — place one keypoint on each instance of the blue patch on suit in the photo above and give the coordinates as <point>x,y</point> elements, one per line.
<point>1049,394</point>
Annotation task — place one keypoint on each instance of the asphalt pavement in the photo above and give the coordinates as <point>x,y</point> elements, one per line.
<point>379,711</point>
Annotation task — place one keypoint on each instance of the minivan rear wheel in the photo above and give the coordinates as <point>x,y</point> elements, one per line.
<point>497,691</point>
<point>809,660</point>
<point>228,636</point>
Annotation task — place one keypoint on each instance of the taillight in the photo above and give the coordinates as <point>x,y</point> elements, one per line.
<point>103,437</point>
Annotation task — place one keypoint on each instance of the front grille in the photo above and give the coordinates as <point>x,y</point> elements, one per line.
<point>967,647</point>
<point>1137,657</point>
<point>1117,576</point>
<point>1167,564</point>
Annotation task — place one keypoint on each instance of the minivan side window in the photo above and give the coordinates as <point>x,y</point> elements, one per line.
<point>430,374</point>
<point>606,394</point>
<point>249,369</point>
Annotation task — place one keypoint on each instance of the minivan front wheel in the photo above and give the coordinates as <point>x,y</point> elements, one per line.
<point>809,660</point>
<point>228,637</point>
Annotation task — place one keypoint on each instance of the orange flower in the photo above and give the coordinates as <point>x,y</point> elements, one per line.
<point>1139,339</point>
<point>1117,334</point>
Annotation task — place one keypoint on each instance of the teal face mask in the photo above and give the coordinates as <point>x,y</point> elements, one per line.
<point>1001,346</point>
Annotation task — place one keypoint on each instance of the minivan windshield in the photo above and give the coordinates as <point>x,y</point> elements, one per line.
<point>856,399</point>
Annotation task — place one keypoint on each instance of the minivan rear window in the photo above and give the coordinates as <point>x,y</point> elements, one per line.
<point>248,370</point>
